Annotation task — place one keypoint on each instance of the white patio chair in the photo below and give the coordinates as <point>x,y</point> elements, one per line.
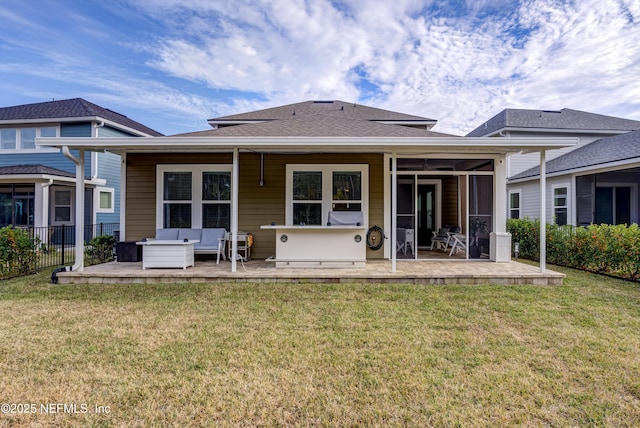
<point>440,239</point>
<point>459,243</point>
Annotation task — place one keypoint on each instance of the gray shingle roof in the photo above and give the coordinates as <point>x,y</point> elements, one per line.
<point>72,108</point>
<point>33,170</point>
<point>316,126</point>
<point>597,153</point>
<point>566,119</point>
<point>334,108</point>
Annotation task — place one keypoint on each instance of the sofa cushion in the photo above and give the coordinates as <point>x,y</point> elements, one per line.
<point>190,234</point>
<point>211,237</point>
<point>167,234</point>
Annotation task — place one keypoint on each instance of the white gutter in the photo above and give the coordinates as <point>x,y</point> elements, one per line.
<point>79,219</point>
<point>498,133</point>
<point>314,144</point>
<point>591,169</point>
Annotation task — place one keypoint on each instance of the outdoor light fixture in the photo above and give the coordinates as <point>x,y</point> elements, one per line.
<point>516,249</point>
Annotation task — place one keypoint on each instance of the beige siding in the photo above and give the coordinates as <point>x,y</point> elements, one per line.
<point>257,205</point>
<point>450,201</point>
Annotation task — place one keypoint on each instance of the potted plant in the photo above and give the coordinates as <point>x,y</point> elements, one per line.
<point>478,227</point>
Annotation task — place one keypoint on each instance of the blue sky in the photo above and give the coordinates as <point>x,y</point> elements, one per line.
<point>173,64</point>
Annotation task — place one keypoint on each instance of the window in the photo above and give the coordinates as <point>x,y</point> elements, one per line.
<point>307,197</point>
<point>8,139</point>
<point>216,199</point>
<point>62,206</point>
<point>104,199</point>
<point>514,204</point>
<point>614,203</point>
<point>17,205</point>
<point>314,190</point>
<point>28,138</point>
<point>194,196</point>
<point>49,132</point>
<point>560,205</point>
<point>24,138</point>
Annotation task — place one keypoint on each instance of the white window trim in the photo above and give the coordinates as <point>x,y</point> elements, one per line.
<point>567,198</point>
<point>72,203</point>
<point>196,171</point>
<point>36,149</point>
<point>327,187</point>
<point>96,199</point>
<point>509,209</point>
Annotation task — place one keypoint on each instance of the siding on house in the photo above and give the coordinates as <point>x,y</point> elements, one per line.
<point>75,129</point>
<point>109,169</point>
<point>257,205</point>
<point>530,198</point>
<point>522,162</point>
<point>106,132</point>
<point>450,201</point>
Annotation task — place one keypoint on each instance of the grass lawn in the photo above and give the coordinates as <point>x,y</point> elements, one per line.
<point>321,355</point>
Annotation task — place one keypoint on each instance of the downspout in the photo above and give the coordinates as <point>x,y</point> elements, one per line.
<point>46,199</point>
<point>94,155</point>
<point>79,235</point>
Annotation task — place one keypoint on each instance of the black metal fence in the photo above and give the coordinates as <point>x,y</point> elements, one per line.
<point>55,245</point>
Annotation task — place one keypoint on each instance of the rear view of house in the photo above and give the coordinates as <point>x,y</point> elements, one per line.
<point>313,181</point>
<point>37,184</point>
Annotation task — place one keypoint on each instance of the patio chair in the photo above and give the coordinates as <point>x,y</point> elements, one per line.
<point>404,241</point>
<point>440,239</point>
<point>459,243</point>
<point>401,241</point>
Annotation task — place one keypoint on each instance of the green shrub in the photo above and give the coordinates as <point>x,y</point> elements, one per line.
<point>99,250</point>
<point>17,252</point>
<point>610,249</point>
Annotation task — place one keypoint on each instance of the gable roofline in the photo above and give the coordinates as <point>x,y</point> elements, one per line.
<point>333,108</point>
<point>71,110</point>
<point>315,125</point>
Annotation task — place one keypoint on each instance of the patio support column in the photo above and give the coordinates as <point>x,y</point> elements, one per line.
<point>79,217</point>
<point>123,196</point>
<point>234,210</point>
<point>394,209</point>
<point>543,211</point>
<point>500,192</point>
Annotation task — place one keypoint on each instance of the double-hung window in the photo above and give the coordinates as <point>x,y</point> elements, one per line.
<point>193,196</point>
<point>560,208</point>
<point>514,204</point>
<point>314,190</point>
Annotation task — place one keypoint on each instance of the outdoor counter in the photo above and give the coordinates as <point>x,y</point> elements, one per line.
<point>320,246</point>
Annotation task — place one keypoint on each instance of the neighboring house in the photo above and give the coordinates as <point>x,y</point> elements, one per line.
<point>285,174</point>
<point>595,183</point>
<point>37,184</point>
<point>522,123</point>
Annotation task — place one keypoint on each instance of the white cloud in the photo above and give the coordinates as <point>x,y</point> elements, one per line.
<point>460,66</point>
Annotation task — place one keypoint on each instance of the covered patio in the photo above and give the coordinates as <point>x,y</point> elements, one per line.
<point>375,272</point>
<point>280,174</point>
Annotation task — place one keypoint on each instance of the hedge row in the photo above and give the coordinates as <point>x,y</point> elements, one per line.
<point>17,252</point>
<point>614,250</point>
